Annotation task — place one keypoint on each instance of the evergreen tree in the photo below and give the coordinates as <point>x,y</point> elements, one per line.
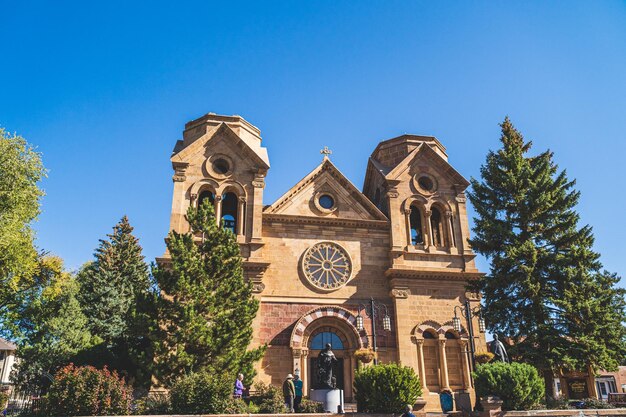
<point>546,289</point>
<point>207,307</point>
<point>116,296</point>
<point>53,327</point>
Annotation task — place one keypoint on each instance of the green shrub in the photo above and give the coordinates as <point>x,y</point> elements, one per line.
<point>518,385</point>
<point>201,393</point>
<point>269,399</point>
<point>386,388</point>
<point>310,406</point>
<point>594,403</point>
<point>558,404</point>
<point>153,404</point>
<point>236,406</point>
<point>87,391</point>
<point>4,397</point>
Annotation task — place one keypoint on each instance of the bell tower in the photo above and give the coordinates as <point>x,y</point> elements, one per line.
<point>220,159</point>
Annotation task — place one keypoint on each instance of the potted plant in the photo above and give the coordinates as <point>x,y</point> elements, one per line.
<point>365,355</point>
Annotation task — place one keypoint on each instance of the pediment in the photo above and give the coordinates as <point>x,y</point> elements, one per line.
<point>222,135</point>
<point>424,155</point>
<point>303,198</point>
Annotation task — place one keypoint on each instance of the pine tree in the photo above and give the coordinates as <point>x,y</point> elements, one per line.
<point>117,297</point>
<point>53,327</point>
<point>546,289</point>
<point>207,307</point>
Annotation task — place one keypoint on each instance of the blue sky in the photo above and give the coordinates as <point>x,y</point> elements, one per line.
<point>104,89</point>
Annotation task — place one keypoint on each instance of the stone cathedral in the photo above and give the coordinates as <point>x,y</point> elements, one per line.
<point>323,250</point>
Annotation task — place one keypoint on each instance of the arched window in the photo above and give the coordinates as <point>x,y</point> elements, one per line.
<point>450,335</point>
<point>229,212</point>
<point>415,218</point>
<point>429,335</point>
<point>437,226</point>
<point>319,341</point>
<point>206,195</point>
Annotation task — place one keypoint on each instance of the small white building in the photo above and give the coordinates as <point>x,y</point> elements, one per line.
<point>7,360</point>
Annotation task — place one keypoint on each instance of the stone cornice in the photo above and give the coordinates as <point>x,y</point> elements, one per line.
<point>285,218</point>
<point>451,274</point>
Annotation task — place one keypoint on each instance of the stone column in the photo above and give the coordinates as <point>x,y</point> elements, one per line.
<point>396,228</point>
<point>443,364</point>
<point>241,216</point>
<point>428,239</point>
<point>467,379</point>
<point>407,219</point>
<point>450,219</point>
<point>177,217</point>
<point>256,206</point>
<point>218,210</point>
<point>420,362</point>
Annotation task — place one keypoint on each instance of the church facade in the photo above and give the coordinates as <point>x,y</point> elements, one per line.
<point>321,253</point>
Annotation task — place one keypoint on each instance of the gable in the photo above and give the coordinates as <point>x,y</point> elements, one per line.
<point>326,179</point>
<point>424,157</point>
<point>197,150</point>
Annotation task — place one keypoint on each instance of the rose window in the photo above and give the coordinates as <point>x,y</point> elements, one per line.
<point>327,265</point>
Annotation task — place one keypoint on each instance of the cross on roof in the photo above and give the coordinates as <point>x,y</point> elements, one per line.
<point>326,151</point>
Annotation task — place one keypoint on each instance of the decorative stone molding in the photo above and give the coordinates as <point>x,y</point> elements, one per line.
<point>257,287</point>
<point>448,214</point>
<point>242,199</point>
<point>179,172</point>
<point>326,311</point>
<point>192,197</point>
<point>400,292</point>
<point>393,193</point>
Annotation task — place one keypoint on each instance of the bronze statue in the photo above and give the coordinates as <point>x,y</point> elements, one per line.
<point>497,348</point>
<point>325,362</point>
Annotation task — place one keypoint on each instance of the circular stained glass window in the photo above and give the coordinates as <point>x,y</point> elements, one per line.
<point>326,201</point>
<point>327,265</point>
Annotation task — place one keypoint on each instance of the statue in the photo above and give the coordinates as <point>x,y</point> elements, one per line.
<point>497,348</point>
<point>325,362</point>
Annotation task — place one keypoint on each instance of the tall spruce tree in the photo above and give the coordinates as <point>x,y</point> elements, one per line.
<point>546,289</point>
<point>207,307</point>
<point>116,293</point>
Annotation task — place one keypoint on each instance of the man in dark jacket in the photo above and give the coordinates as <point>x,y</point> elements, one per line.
<point>289,392</point>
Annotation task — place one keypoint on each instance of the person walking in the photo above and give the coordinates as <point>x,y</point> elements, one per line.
<point>289,392</point>
<point>297,383</point>
<point>238,392</point>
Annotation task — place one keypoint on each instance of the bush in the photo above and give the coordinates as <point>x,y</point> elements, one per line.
<point>153,404</point>
<point>518,385</point>
<point>310,406</point>
<point>87,391</point>
<point>201,393</point>
<point>484,357</point>
<point>269,399</point>
<point>4,397</point>
<point>386,388</point>
<point>558,404</point>
<point>594,403</point>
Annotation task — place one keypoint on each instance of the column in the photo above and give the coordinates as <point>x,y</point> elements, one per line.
<point>304,371</point>
<point>256,207</point>
<point>420,362</point>
<point>428,238</point>
<point>467,380</point>
<point>394,209</point>
<point>218,210</point>
<point>450,229</point>
<point>443,363</point>
<point>241,216</point>
<point>407,219</point>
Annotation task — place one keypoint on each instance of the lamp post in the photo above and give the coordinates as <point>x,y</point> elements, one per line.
<point>468,313</point>
<point>372,310</point>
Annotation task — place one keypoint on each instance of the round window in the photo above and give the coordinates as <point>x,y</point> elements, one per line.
<point>221,166</point>
<point>426,183</point>
<point>326,201</point>
<point>327,265</point>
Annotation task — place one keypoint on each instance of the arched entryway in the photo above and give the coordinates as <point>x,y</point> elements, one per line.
<point>323,325</point>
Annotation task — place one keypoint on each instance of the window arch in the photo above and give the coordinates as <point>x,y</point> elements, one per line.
<point>429,334</point>
<point>415,220</point>
<point>206,194</point>
<point>229,214</point>
<point>436,225</point>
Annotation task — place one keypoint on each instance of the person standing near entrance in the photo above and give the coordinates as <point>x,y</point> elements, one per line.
<point>289,392</point>
<point>238,392</point>
<point>297,382</point>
